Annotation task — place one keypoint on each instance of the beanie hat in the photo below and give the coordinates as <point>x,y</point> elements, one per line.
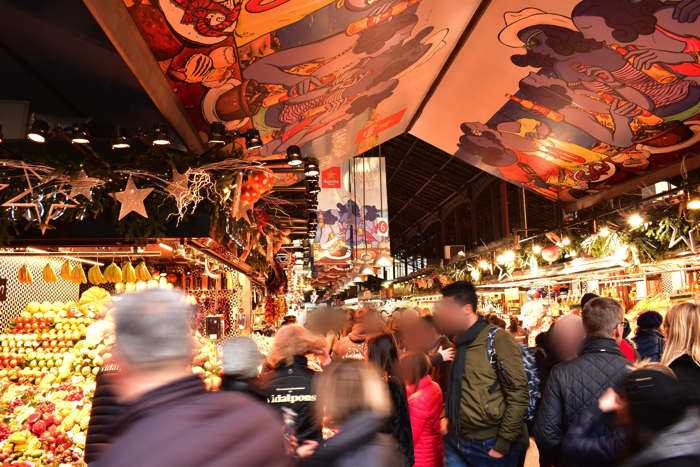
<point>650,319</point>
<point>241,358</point>
<point>656,399</point>
<point>587,298</point>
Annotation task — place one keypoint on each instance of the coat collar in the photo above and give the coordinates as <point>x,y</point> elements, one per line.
<point>600,345</point>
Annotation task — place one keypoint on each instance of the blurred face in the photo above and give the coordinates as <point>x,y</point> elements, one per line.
<point>451,316</point>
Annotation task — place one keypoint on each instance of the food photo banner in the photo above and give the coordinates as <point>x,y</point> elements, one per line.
<point>570,98</point>
<point>335,77</point>
<point>352,216</point>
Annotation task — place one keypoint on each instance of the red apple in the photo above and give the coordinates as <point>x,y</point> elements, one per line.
<point>45,344</point>
<point>13,363</point>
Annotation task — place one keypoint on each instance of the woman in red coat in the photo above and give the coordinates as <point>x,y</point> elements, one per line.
<point>425,407</point>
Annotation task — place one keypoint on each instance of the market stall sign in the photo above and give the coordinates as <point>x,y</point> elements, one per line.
<point>512,294</point>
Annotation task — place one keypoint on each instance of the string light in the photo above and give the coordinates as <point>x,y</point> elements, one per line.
<point>484,265</point>
<point>604,232</point>
<point>536,249</point>
<point>509,256</point>
<point>566,241</point>
<point>635,220</point>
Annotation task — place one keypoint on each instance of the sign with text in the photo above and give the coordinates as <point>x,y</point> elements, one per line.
<point>330,178</point>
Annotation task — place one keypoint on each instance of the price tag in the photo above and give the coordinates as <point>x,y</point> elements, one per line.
<point>382,227</point>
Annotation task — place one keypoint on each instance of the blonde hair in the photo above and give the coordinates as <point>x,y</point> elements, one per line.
<point>347,387</point>
<point>292,341</point>
<point>682,326</point>
<point>647,364</point>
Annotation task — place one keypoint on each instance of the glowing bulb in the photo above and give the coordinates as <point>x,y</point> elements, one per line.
<point>635,220</point>
<point>509,256</point>
<point>604,232</point>
<point>694,203</point>
<point>565,241</point>
<point>572,253</point>
<point>484,265</point>
<point>536,249</point>
<point>500,259</point>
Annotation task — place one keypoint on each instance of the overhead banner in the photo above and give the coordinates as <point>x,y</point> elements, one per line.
<point>568,98</point>
<point>352,215</point>
<point>335,77</point>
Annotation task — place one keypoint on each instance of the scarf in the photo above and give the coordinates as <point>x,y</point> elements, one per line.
<point>454,388</point>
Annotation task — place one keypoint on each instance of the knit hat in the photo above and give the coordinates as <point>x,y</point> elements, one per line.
<point>241,358</point>
<point>650,319</point>
<point>587,298</point>
<point>656,399</point>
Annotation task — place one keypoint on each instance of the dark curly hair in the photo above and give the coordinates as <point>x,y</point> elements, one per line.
<point>364,102</point>
<point>372,40</point>
<point>467,145</point>
<point>328,217</point>
<point>628,19</point>
<point>370,212</point>
<point>563,41</point>
<point>553,97</point>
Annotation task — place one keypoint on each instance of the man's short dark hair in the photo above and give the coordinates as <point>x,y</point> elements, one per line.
<point>601,316</point>
<point>462,292</point>
<point>429,322</point>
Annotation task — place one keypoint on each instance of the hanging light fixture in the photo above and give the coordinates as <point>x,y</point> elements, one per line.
<point>294,155</point>
<point>39,131</point>
<point>367,269</point>
<point>252,139</point>
<point>217,133</point>
<point>161,134</point>
<point>693,200</point>
<point>120,138</point>
<point>383,258</point>
<point>356,277</point>
<point>80,133</point>
<point>311,167</point>
<point>313,188</point>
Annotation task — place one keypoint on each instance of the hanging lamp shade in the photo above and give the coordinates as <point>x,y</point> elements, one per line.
<point>383,259</point>
<point>366,268</point>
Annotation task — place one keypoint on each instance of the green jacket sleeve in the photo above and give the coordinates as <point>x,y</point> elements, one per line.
<point>513,382</point>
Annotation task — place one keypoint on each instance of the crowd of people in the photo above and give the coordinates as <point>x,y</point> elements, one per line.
<point>451,388</point>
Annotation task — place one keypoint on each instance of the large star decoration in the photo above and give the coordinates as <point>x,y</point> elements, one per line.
<point>690,241</point>
<point>83,185</point>
<point>36,202</point>
<point>132,199</point>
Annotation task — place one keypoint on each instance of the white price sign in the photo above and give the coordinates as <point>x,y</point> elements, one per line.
<point>382,227</point>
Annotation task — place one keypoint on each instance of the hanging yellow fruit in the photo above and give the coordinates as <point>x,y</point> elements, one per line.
<point>66,271</point>
<point>95,275</point>
<point>142,273</point>
<point>78,275</point>
<point>24,275</point>
<point>128,272</point>
<point>49,274</point>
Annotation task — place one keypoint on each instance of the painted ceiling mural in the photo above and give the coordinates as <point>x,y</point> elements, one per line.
<point>334,77</point>
<point>567,98</point>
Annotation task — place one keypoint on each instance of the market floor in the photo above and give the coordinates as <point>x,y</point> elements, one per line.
<point>533,456</point>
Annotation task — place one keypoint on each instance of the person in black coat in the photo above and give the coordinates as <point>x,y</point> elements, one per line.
<point>356,402</point>
<point>655,426</point>
<point>575,385</point>
<point>105,411</point>
<point>682,352</point>
<point>382,351</point>
<point>648,338</point>
<point>242,361</point>
<point>290,382</point>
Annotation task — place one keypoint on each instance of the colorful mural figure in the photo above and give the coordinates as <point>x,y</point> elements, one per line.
<point>299,71</point>
<point>616,94</point>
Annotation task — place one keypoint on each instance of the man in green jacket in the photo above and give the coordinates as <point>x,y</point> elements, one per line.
<point>485,407</point>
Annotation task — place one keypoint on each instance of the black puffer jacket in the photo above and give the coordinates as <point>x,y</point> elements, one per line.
<point>357,444</point>
<point>104,413</point>
<point>292,387</point>
<point>573,387</point>
<point>650,344</point>
<point>399,424</point>
<point>688,374</point>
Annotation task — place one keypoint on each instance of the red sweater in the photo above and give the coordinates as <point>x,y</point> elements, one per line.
<point>627,350</point>
<point>425,406</point>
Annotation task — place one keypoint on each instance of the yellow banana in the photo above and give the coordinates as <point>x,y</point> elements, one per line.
<point>66,271</point>
<point>128,272</point>
<point>25,275</point>
<point>49,274</point>
<point>142,272</point>
<point>96,276</point>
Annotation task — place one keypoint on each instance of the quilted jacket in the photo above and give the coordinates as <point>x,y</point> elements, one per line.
<point>425,406</point>
<point>573,387</point>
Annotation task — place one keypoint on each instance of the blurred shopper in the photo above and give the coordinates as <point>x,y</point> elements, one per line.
<point>243,363</point>
<point>290,383</point>
<point>367,324</point>
<point>356,402</point>
<point>382,351</point>
<point>540,351</point>
<point>498,322</point>
<point>485,408</point>
<point>655,427</point>
<point>171,419</point>
<point>516,330</point>
<point>425,407</point>
<point>648,338</point>
<point>626,347</point>
<point>682,352</point>
<point>577,384</point>
<point>106,410</point>
<point>289,319</point>
<point>440,351</point>
<point>562,344</point>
